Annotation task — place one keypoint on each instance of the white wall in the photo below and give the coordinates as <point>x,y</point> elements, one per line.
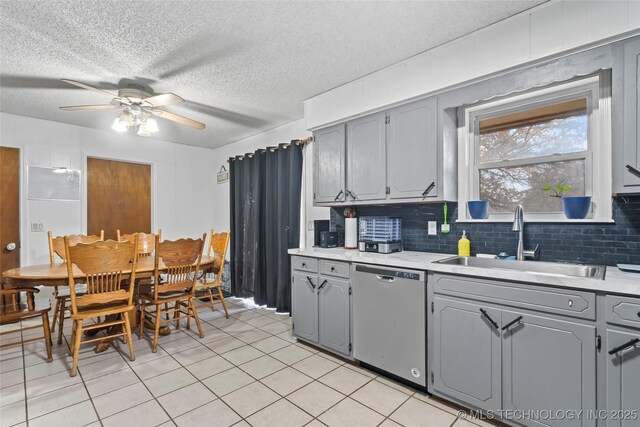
<point>293,130</point>
<point>545,30</point>
<point>182,179</point>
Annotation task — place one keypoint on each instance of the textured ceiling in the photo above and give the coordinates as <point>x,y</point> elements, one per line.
<point>243,67</point>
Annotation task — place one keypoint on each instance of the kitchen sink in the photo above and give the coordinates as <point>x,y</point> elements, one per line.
<point>553,268</point>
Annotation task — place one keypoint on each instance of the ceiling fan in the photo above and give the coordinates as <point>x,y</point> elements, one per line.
<point>139,107</point>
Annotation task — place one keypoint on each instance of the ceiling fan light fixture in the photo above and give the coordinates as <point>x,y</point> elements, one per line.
<point>143,130</point>
<point>125,117</point>
<point>151,124</point>
<point>118,125</point>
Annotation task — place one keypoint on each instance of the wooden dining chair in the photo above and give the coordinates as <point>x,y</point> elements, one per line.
<point>178,262</point>
<point>108,267</point>
<point>13,310</point>
<point>146,241</point>
<point>62,297</point>
<point>217,248</point>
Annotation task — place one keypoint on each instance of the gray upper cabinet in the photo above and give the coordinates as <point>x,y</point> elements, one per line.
<point>304,306</point>
<point>329,165</point>
<point>334,304</point>
<point>366,153</point>
<point>548,364</point>
<point>631,130</point>
<point>623,378</point>
<point>412,150</point>
<point>466,363</point>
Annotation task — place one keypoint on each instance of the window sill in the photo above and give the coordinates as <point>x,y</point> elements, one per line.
<point>547,221</point>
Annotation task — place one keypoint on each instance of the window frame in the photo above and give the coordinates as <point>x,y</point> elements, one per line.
<point>596,88</point>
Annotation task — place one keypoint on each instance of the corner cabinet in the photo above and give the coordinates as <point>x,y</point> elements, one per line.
<point>329,165</point>
<point>385,157</point>
<point>321,303</point>
<point>631,116</point>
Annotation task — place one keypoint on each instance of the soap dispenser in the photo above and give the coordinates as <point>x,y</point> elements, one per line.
<point>464,245</point>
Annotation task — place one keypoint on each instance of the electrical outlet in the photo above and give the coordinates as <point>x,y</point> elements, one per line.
<point>37,227</point>
<point>433,227</point>
<point>310,225</point>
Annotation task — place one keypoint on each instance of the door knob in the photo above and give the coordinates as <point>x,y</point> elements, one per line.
<point>11,246</point>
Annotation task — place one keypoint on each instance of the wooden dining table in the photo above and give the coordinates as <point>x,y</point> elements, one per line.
<point>56,274</point>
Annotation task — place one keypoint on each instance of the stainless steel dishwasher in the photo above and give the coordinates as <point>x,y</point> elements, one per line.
<point>389,321</point>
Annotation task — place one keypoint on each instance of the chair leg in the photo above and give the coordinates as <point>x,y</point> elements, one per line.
<point>166,311</point>
<point>176,314</point>
<point>213,306</point>
<point>224,303</point>
<point>76,348</point>
<point>47,335</point>
<point>63,309</point>
<point>73,336</point>
<point>141,331</point>
<point>195,316</point>
<point>156,331</point>
<point>55,315</point>
<point>127,327</point>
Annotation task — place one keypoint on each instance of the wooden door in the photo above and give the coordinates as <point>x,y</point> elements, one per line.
<point>9,208</point>
<point>118,197</point>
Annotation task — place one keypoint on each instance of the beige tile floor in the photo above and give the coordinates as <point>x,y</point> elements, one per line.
<point>248,370</point>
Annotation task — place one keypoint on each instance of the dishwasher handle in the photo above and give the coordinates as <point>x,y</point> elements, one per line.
<point>388,279</point>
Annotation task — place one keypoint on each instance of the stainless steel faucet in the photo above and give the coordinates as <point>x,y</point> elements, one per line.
<point>518,225</point>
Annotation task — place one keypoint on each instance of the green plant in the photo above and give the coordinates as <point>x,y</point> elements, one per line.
<point>558,190</point>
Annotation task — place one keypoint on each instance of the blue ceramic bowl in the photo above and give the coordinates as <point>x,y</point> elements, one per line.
<point>576,207</point>
<point>478,209</point>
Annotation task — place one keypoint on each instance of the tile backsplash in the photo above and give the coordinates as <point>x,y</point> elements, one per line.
<point>607,244</point>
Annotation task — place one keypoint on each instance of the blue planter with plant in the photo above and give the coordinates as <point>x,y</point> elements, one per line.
<point>478,209</point>
<point>575,207</point>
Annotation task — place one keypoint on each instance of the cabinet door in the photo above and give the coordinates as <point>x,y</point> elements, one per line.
<point>632,114</point>
<point>623,379</point>
<point>334,304</point>
<point>412,150</point>
<point>467,353</point>
<point>366,171</point>
<point>304,306</point>
<point>548,364</point>
<point>329,170</point>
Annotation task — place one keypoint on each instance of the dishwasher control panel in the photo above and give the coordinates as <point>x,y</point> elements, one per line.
<point>389,273</point>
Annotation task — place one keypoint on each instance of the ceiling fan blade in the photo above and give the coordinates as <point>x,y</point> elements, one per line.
<point>91,88</point>
<point>161,100</point>
<point>91,107</point>
<point>178,119</point>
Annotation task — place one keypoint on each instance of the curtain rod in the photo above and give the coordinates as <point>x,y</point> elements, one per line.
<point>286,145</point>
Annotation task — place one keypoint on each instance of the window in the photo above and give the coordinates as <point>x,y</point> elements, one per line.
<point>512,147</point>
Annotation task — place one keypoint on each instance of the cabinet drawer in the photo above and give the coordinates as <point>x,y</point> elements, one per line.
<point>334,268</point>
<point>623,310</point>
<point>531,296</point>
<point>305,264</point>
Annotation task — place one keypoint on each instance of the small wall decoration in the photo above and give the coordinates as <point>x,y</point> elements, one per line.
<point>223,175</point>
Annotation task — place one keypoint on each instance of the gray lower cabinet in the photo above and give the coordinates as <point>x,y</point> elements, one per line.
<point>548,364</point>
<point>623,378</point>
<point>321,305</point>
<point>466,354</point>
<point>412,151</point>
<point>304,306</point>
<point>334,320</point>
<point>631,116</point>
<point>366,153</point>
<point>329,165</point>
<point>495,357</point>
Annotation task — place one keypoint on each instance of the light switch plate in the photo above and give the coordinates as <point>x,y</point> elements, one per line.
<point>310,225</point>
<point>37,227</point>
<point>433,228</point>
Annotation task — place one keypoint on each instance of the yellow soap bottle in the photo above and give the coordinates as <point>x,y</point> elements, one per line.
<point>464,245</point>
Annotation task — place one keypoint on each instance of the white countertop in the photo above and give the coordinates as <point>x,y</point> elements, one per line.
<point>616,281</point>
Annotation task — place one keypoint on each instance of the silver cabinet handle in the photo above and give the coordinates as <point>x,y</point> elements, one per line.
<point>11,246</point>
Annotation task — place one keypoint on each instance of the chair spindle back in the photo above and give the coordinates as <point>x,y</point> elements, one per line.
<point>182,260</point>
<point>56,244</point>
<point>146,241</point>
